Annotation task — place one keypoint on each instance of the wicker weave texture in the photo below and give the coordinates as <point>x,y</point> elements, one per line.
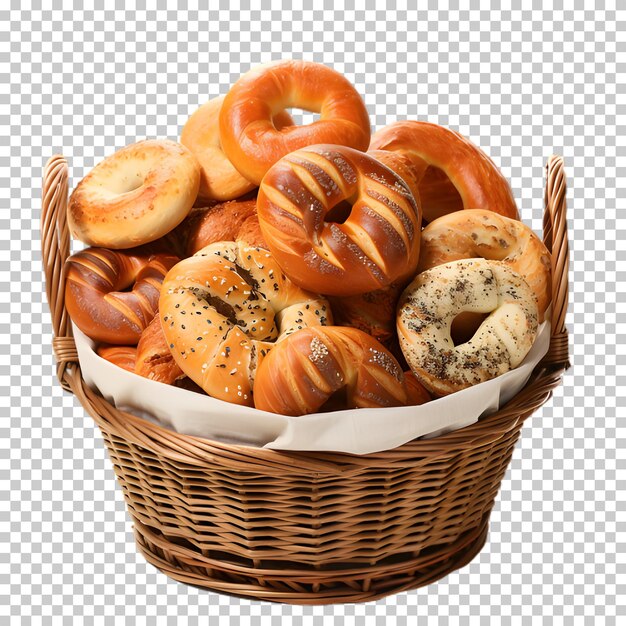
<point>305,527</point>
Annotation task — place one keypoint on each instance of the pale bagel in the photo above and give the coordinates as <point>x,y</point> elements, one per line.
<point>429,305</point>
<point>134,196</point>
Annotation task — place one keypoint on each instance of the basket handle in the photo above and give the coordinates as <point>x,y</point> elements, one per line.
<point>55,247</point>
<point>555,238</point>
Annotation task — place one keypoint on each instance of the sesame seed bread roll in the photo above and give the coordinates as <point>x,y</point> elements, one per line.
<point>223,309</point>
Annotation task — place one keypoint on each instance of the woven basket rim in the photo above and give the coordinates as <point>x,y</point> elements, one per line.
<point>189,449</point>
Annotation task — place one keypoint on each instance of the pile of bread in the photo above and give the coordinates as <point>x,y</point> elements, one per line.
<point>299,269</point>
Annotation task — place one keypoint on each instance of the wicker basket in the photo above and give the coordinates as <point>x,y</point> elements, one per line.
<point>305,527</point>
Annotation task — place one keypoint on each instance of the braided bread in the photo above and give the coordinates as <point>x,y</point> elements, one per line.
<point>222,309</point>
<point>95,296</point>
<point>339,222</point>
<point>306,370</point>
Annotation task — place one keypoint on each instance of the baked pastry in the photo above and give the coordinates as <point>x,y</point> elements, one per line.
<point>219,180</point>
<point>339,222</point>
<point>184,382</point>
<point>250,233</point>
<point>310,368</point>
<point>222,309</point>
<point>477,233</point>
<point>416,392</point>
<point>122,356</point>
<point>134,196</point>
<point>154,359</point>
<point>248,135</point>
<point>453,173</point>
<point>226,221</point>
<point>112,295</point>
<point>429,305</point>
<point>373,312</point>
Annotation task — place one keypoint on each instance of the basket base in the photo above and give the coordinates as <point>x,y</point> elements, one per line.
<point>345,589</point>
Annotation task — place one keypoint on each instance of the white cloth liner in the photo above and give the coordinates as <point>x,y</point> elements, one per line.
<point>358,431</point>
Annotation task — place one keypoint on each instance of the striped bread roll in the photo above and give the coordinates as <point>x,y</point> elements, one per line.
<point>333,364</point>
<point>338,221</point>
<point>402,166</point>
<point>97,294</point>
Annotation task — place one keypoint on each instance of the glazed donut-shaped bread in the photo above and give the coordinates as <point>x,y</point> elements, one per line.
<point>122,356</point>
<point>154,359</point>
<point>482,234</point>
<point>249,137</point>
<point>222,309</point>
<point>431,302</point>
<point>452,172</point>
<point>97,297</point>
<point>134,196</point>
<point>219,179</point>
<point>339,222</point>
<point>302,373</point>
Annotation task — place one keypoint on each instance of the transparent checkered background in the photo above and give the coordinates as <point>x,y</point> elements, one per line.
<point>521,84</point>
